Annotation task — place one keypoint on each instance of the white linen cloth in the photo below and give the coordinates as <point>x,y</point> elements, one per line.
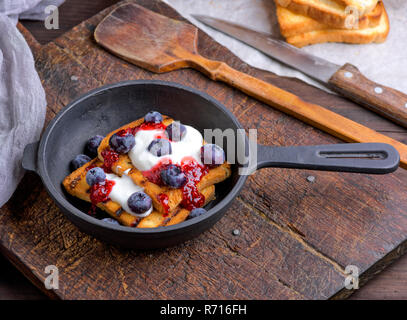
<point>22,97</point>
<point>384,63</point>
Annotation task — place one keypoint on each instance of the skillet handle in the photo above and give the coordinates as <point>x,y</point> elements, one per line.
<point>373,158</point>
<point>30,156</point>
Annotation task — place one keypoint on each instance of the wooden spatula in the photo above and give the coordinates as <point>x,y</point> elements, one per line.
<point>161,44</point>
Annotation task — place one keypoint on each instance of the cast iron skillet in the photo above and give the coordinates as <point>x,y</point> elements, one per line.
<point>104,109</point>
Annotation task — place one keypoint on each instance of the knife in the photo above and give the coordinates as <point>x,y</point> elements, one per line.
<point>346,80</point>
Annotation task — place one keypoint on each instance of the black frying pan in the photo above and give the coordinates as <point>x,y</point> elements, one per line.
<point>105,109</point>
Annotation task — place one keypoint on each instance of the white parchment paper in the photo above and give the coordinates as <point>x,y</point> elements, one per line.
<point>384,63</point>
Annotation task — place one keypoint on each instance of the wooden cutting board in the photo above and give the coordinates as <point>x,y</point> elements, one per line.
<point>296,237</point>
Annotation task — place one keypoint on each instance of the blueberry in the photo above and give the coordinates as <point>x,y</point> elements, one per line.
<point>122,142</point>
<point>153,117</point>
<point>212,155</point>
<point>160,147</point>
<point>79,161</point>
<point>173,176</point>
<point>110,220</point>
<point>92,145</point>
<point>139,202</point>
<point>95,175</point>
<point>176,131</point>
<point>196,213</point>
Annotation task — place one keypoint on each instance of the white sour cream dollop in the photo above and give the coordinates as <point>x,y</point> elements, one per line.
<point>189,146</point>
<point>122,189</point>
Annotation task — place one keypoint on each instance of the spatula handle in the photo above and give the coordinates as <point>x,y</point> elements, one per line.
<point>388,102</point>
<point>289,103</point>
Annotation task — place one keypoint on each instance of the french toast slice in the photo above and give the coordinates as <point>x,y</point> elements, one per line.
<point>301,31</point>
<point>173,196</point>
<point>175,216</point>
<point>76,185</point>
<point>330,12</point>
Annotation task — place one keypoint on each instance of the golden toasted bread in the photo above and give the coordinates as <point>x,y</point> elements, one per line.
<point>174,196</point>
<point>301,31</point>
<point>331,12</point>
<point>364,7</point>
<point>292,24</point>
<point>176,216</point>
<point>76,185</point>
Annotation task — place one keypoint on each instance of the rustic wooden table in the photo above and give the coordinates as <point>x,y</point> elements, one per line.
<point>390,284</point>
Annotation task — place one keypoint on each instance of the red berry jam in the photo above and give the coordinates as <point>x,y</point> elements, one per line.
<point>151,126</point>
<point>109,158</point>
<point>99,192</point>
<point>191,197</point>
<point>135,223</point>
<point>90,167</point>
<point>163,198</point>
<point>154,174</point>
<point>123,132</point>
<point>143,126</point>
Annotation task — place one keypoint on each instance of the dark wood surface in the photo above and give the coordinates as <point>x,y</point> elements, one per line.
<point>71,13</point>
<point>295,259</point>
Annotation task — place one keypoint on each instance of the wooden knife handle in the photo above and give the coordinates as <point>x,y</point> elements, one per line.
<point>388,102</point>
<point>289,103</point>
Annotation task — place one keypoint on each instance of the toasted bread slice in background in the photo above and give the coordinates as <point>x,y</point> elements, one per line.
<point>214,175</point>
<point>75,184</point>
<point>364,7</point>
<point>363,36</point>
<point>328,12</point>
<point>292,23</point>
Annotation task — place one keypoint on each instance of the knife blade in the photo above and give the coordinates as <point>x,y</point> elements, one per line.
<point>313,66</point>
<point>346,80</point>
